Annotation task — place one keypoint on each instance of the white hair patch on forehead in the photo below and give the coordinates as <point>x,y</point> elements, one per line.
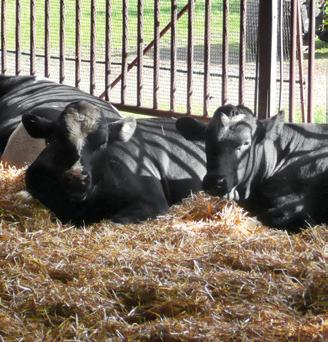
<point>80,125</point>
<point>79,143</point>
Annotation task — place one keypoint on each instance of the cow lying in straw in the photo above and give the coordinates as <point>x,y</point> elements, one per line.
<point>277,170</point>
<point>127,170</point>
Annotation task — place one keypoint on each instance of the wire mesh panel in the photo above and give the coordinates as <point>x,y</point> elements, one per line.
<point>156,57</point>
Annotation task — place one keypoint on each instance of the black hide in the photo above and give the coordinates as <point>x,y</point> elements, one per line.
<point>276,170</point>
<point>114,174</point>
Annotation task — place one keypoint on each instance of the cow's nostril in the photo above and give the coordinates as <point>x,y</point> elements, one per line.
<point>84,176</point>
<point>76,183</point>
<point>69,177</point>
<point>76,176</point>
<point>220,182</point>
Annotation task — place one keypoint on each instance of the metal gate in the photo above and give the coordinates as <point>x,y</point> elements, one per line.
<point>168,57</point>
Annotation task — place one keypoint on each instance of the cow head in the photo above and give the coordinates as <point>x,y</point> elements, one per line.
<point>229,141</point>
<point>80,132</point>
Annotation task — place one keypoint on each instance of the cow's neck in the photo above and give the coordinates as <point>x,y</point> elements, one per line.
<point>268,157</point>
<point>261,165</point>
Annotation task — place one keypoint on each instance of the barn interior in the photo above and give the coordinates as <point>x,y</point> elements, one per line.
<point>207,270</point>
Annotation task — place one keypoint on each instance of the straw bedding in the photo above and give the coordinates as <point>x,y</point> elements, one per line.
<point>206,271</point>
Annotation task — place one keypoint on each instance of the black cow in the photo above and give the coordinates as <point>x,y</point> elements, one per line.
<point>127,170</point>
<point>277,170</point>
<point>26,94</point>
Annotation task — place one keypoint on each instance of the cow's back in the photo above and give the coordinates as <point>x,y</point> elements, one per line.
<point>294,193</point>
<point>162,152</point>
<point>26,94</point>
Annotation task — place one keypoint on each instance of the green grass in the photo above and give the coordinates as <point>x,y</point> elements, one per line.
<point>321,49</point>
<point>319,115</point>
<point>165,17</point>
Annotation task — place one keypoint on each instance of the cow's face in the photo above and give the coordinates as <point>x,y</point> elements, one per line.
<point>229,142</point>
<point>79,134</point>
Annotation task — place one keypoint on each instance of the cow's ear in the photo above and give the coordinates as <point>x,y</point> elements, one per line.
<point>122,129</point>
<point>273,126</point>
<point>37,126</point>
<point>191,129</point>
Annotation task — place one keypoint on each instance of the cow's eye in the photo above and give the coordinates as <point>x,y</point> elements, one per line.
<point>103,145</point>
<point>243,146</point>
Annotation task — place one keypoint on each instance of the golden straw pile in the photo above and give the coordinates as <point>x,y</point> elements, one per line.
<point>204,272</point>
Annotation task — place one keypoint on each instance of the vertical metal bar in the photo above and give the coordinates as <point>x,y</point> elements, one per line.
<point>62,42</point>
<point>190,57</point>
<point>3,36</point>
<point>77,43</point>
<point>207,53</point>
<point>273,57</point>
<point>93,48</point>
<point>256,83</point>
<point>311,61</point>
<point>173,54</point>
<point>263,53</point>
<point>281,52</point>
<point>156,53</point>
<point>18,37</point>
<point>108,47</point>
<point>47,38</point>
<point>300,58</point>
<point>242,51</point>
<point>124,50</point>
<point>140,51</point>
<point>32,38</point>
<point>292,60</point>
<point>225,52</point>
<point>147,48</point>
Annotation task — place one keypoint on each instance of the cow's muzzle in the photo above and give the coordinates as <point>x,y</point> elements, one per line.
<point>215,186</point>
<point>76,184</point>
